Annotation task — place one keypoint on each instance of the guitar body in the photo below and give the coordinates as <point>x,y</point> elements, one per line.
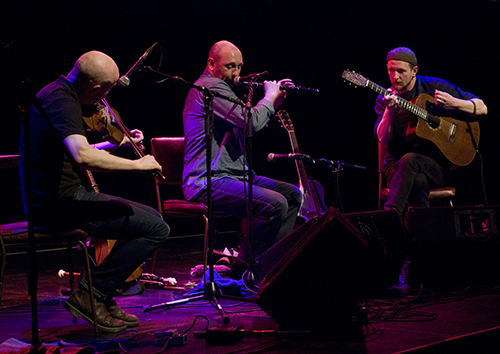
<point>460,145</point>
<point>103,248</point>
<point>309,209</point>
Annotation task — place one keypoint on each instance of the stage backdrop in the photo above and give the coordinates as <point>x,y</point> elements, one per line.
<point>311,42</point>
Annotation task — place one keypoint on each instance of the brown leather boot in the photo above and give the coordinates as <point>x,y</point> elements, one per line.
<point>115,311</point>
<point>79,305</point>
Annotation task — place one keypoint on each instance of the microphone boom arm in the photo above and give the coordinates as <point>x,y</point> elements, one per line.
<point>191,85</point>
<point>335,166</point>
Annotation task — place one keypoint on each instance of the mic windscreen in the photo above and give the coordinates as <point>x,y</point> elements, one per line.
<point>237,81</point>
<point>123,81</point>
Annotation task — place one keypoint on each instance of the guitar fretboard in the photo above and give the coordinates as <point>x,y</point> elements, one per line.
<point>410,107</point>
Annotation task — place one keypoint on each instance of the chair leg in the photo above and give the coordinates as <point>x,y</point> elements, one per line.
<point>33,290</point>
<point>91,288</point>
<point>205,247</point>
<point>71,271</point>
<point>2,267</point>
<point>153,261</point>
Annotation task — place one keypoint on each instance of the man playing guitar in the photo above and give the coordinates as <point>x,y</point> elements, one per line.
<point>413,164</point>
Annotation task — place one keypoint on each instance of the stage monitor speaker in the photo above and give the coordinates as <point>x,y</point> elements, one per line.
<point>268,260</point>
<point>318,276</point>
<point>454,246</point>
<point>388,241</point>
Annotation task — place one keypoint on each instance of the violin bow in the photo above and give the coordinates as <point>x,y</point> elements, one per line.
<point>126,131</point>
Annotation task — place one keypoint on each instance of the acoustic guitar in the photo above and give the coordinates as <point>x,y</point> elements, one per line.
<point>456,139</point>
<point>313,205</point>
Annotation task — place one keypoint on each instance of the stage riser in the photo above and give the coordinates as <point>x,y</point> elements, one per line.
<point>454,246</point>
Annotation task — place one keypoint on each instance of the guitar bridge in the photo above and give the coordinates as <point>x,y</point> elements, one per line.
<point>453,131</point>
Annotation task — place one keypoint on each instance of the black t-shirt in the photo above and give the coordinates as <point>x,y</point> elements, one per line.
<point>55,115</point>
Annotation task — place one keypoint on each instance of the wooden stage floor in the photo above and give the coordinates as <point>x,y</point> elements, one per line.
<point>456,319</point>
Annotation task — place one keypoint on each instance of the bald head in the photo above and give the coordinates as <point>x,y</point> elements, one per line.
<point>222,48</point>
<point>95,67</point>
<point>93,75</point>
<point>224,61</point>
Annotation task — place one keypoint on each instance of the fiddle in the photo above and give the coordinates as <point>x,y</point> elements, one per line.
<point>103,122</point>
<point>106,121</point>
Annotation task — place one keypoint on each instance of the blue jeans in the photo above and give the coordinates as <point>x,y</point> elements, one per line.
<point>139,231</point>
<point>414,174</point>
<point>275,207</point>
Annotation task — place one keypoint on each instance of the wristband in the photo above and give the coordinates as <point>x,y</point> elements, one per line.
<point>474,103</point>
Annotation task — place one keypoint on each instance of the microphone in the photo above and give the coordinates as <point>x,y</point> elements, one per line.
<point>124,81</point>
<point>343,165</point>
<point>241,80</point>
<point>280,157</point>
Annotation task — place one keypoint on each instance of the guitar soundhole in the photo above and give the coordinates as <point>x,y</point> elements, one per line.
<point>433,124</point>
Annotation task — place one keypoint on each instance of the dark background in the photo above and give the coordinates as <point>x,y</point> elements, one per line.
<point>311,42</point>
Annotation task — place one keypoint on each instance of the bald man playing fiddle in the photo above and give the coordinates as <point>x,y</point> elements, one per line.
<point>62,198</point>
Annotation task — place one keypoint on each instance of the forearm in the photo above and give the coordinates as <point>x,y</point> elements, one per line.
<point>235,114</point>
<point>101,161</point>
<point>106,146</point>
<point>474,107</point>
<point>94,159</point>
<point>385,128</point>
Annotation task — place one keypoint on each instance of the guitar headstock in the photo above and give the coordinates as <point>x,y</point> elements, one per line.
<point>285,120</point>
<point>355,78</point>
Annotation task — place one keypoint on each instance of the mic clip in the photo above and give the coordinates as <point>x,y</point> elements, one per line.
<point>124,81</point>
<point>248,79</point>
<point>258,75</point>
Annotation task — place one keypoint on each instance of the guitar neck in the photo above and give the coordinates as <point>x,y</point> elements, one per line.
<point>301,170</point>
<point>410,107</point>
<point>311,206</point>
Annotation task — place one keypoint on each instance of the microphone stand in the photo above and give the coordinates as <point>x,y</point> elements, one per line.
<point>249,278</point>
<point>211,291</point>
<point>335,167</point>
